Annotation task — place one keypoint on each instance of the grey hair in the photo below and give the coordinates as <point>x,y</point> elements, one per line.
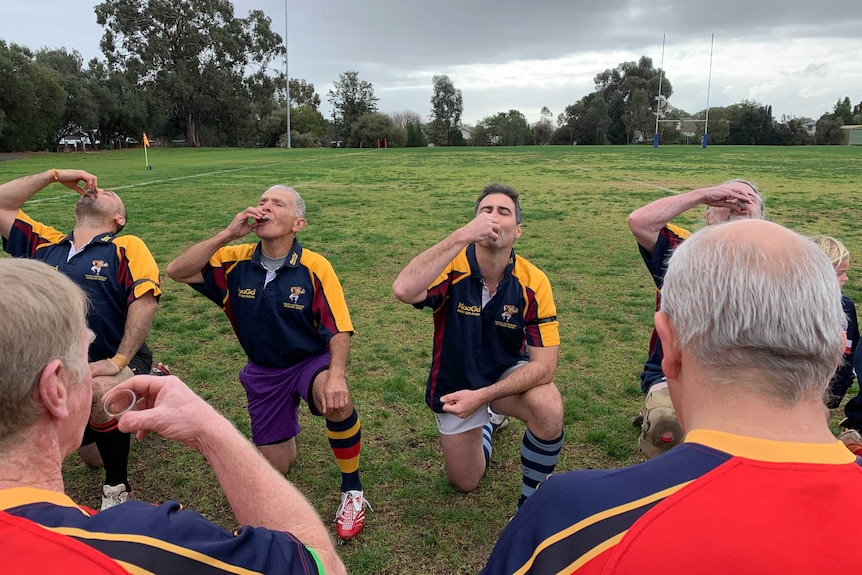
<point>44,318</point>
<point>755,317</point>
<point>298,201</point>
<point>497,188</point>
<point>760,201</point>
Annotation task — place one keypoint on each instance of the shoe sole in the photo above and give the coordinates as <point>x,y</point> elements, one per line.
<point>650,441</point>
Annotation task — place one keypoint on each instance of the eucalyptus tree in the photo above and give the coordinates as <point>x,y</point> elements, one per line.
<point>351,98</point>
<point>80,114</point>
<point>32,101</point>
<point>631,91</point>
<point>447,105</point>
<point>197,59</point>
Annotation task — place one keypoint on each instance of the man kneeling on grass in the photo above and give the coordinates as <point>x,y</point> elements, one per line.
<point>496,343</point>
<point>288,311</point>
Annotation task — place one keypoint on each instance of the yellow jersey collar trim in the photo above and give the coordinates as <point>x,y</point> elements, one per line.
<point>18,496</point>
<point>770,450</point>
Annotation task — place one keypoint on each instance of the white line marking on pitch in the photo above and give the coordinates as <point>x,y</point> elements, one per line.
<point>668,190</point>
<point>127,186</point>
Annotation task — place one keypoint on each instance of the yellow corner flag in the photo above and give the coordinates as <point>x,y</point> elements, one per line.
<point>146,157</point>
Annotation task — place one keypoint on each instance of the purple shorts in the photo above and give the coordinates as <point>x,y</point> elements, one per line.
<point>273,397</point>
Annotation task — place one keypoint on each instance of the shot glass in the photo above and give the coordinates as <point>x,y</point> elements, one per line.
<point>119,401</point>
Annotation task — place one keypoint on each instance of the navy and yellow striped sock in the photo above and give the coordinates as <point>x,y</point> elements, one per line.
<point>345,439</point>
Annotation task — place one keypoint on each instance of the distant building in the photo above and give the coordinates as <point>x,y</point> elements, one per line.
<point>76,143</point>
<point>810,127</point>
<point>852,135</point>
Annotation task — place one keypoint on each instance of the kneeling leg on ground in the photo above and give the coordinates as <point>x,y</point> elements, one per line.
<point>660,430</point>
<point>541,409</point>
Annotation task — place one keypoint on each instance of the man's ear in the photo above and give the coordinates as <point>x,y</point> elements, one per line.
<point>298,224</point>
<point>53,389</point>
<point>671,363</point>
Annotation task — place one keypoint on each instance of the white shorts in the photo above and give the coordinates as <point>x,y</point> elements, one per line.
<point>451,424</point>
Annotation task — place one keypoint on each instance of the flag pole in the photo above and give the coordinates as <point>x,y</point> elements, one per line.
<point>146,155</point>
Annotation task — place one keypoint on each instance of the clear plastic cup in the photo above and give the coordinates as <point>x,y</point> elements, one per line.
<point>119,401</point>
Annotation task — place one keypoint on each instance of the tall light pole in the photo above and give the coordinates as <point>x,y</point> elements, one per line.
<point>286,75</point>
<point>658,99</point>
<point>708,86</point>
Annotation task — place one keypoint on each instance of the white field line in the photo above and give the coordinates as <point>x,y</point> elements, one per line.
<point>217,172</point>
<point>203,175</point>
<point>668,190</point>
<point>638,182</point>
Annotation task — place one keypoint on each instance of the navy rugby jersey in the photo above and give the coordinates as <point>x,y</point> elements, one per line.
<point>289,320</point>
<point>717,503</point>
<point>145,538</point>
<point>844,375</point>
<point>668,239</point>
<point>473,346</point>
<point>113,271</point>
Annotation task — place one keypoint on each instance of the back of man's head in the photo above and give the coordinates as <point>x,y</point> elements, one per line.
<point>759,308</point>
<point>44,318</point>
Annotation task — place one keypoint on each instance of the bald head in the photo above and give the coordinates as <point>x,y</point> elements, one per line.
<point>757,303</point>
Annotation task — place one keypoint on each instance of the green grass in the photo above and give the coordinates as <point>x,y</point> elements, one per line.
<point>370,212</point>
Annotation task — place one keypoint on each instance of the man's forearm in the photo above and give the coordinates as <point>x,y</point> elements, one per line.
<point>186,268</point>
<point>339,351</point>
<point>139,321</point>
<point>412,283</point>
<point>646,222</point>
<point>528,376</point>
<point>15,194</point>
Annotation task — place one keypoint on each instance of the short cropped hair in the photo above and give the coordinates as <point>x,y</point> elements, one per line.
<point>497,188</point>
<point>767,319</point>
<point>44,318</point>
<point>833,248</point>
<point>298,201</point>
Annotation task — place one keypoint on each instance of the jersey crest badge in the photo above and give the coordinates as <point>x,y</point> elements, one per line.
<point>508,312</point>
<point>295,292</point>
<point>98,265</point>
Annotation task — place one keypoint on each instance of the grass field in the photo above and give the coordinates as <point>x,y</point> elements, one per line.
<point>370,212</point>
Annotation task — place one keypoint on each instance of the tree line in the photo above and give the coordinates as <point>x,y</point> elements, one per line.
<point>192,72</point>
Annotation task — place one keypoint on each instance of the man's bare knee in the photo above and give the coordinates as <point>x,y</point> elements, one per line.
<point>282,464</point>
<point>280,456</point>
<point>546,411</point>
<point>89,454</point>
<point>463,485</point>
<point>339,415</point>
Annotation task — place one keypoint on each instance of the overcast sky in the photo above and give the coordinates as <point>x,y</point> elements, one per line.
<point>800,56</point>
